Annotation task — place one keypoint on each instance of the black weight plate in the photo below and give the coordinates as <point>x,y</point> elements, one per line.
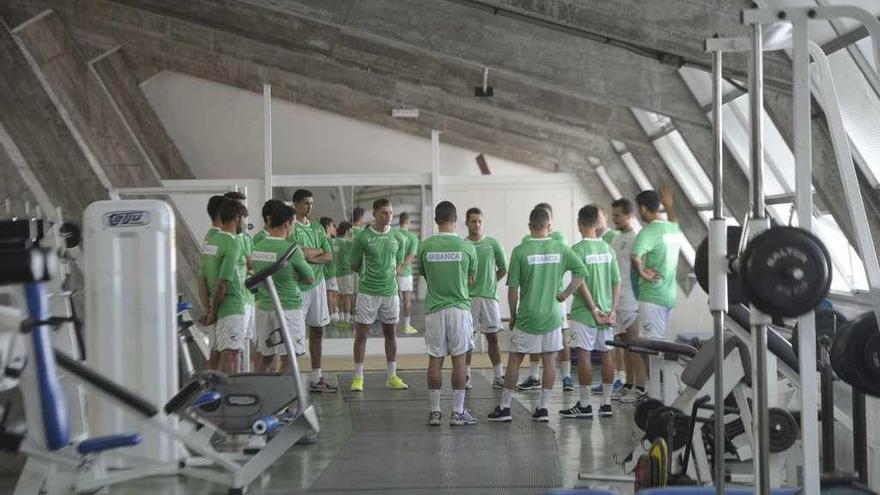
<point>865,340</point>
<point>838,353</point>
<point>701,265</point>
<point>643,409</point>
<point>850,356</point>
<point>657,426</point>
<point>785,271</point>
<point>784,430</point>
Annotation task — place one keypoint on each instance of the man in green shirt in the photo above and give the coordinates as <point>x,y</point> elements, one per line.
<point>221,254</point>
<point>593,313</point>
<point>286,280</point>
<point>245,266</point>
<point>312,238</point>
<point>536,270</point>
<point>485,311</point>
<point>266,214</point>
<point>405,279</point>
<point>377,254</point>
<point>344,275</point>
<point>330,272</point>
<point>449,265</point>
<point>655,257</point>
<point>213,208</point>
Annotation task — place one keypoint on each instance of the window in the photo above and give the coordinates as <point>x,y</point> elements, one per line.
<point>849,271</point>
<point>609,184</point>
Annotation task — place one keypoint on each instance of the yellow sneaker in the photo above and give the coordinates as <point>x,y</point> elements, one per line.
<point>357,384</point>
<point>395,383</point>
<point>410,330</point>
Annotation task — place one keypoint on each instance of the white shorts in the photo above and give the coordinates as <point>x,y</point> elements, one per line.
<point>486,314</point>
<point>528,343</point>
<point>315,306</point>
<point>626,318</point>
<point>589,338</point>
<point>563,313</point>
<point>269,332</point>
<point>405,283</point>
<point>449,332</point>
<point>653,320</point>
<point>371,308</point>
<point>249,322</point>
<point>229,333</point>
<point>332,285</point>
<point>346,284</point>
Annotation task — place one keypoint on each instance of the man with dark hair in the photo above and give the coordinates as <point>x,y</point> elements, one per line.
<point>655,258</point>
<point>405,279</point>
<point>626,328</point>
<point>330,272</point>
<point>213,209</point>
<point>266,215</point>
<point>344,275</point>
<point>266,253</point>
<point>485,311</point>
<point>357,220</point>
<point>312,237</point>
<point>221,255</point>
<point>449,265</point>
<point>245,265</point>
<point>593,312</point>
<point>536,270</point>
<point>378,254</point>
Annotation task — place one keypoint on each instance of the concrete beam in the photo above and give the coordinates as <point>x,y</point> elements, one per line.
<point>119,79</point>
<point>398,35</point>
<point>102,134</point>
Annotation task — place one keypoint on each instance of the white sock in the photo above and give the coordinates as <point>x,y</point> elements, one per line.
<point>506,398</point>
<point>621,375</point>
<point>535,370</point>
<point>405,321</point>
<point>458,405</point>
<point>585,395</point>
<point>606,393</point>
<point>566,368</point>
<point>316,375</point>
<point>499,371</point>
<point>468,372</point>
<point>435,400</point>
<point>358,370</point>
<point>392,368</point>
<point>545,396</point>
<point>334,317</point>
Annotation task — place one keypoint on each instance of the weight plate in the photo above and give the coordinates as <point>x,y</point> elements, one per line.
<point>659,454</point>
<point>642,473</point>
<point>701,264</point>
<point>828,321</point>
<point>657,426</point>
<point>839,361</point>
<point>865,343</point>
<point>784,430</point>
<point>785,271</point>
<point>643,409</point>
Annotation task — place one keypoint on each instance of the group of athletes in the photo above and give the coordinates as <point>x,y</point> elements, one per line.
<point>622,284</point>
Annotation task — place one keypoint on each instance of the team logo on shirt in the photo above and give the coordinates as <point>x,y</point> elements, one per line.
<point>443,257</point>
<point>544,259</point>
<point>126,218</point>
<point>263,256</point>
<point>597,259</point>
<point>209,249</point>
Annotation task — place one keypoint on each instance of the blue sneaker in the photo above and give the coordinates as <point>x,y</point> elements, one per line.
<point>597,389</point>
<point>618,385</point>
<point>567,384</point>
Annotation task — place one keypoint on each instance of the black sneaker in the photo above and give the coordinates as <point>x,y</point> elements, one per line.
<point>530,383</point>
<point>605,411</point>
<point>541,415</point>
<point>577,411</point>
<point>500,415</point>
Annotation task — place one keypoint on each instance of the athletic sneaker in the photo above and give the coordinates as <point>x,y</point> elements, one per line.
<point>530,383</point>
<point>577,411</point>
<point>334,318</point>
<point>498,382</point>
<point>633,396</point>
<point>541,415</point>
<point>617,386</point>
<point>323,386</point>
<point>410,330</point>
<point>394,382</point>
<point>597,389</point>
<point>434,418</point>
<point>567,384</point>
<point>463,418</point>
<point>500,415</point>
<point>624,390</point>
<point>357,384</point>
<point>605,411</point>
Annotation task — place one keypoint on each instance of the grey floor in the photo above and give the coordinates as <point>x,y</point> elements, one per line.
<point>377,442</point>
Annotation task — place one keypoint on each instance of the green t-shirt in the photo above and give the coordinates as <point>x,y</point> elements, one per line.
<point>330,268</point>
<point>602,275</point>
<point>259,236</point>
<point>609,235</point>
<point>490,259</point>
<point>555,235</point>
<point>287,279</point>
<point>313,236</point>
<point>658,244</point>
<point>342,256</point>
<point>447,261</point>
<point>247,247</point>
<point>379,253</point>
<point>221,255</point>
<point>536,268</point>
<point>411,249</point>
